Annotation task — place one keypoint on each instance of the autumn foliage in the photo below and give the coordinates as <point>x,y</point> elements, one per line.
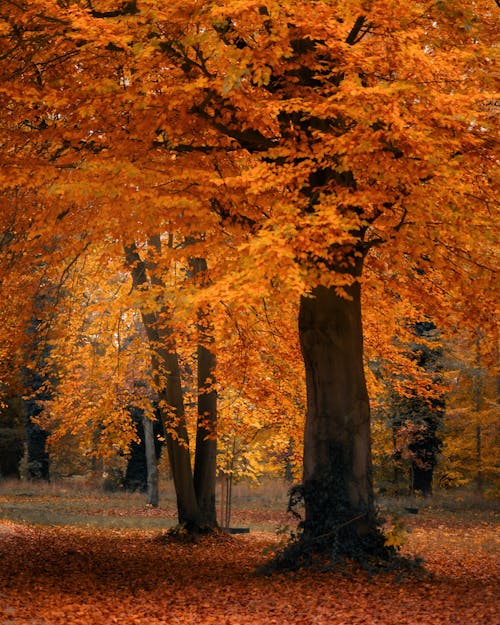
<point>246,206</point>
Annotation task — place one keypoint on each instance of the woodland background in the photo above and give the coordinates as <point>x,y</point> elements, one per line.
<point>248,247</point>
<point>233,163</point>
<point>238,241</point>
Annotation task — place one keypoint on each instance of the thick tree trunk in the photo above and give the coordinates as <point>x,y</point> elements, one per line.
<point>337,486</point>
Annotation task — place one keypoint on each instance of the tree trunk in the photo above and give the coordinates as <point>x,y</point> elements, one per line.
<point>11,451</point>
<point>37,456</point>
<point>166,369</point>
<point>478,400</point>
<point>422,479</point>
<point>136,473</point>
<point>337,480</point>
<point>176,438</point>
<point>38,461</point>
<point>206,442</point>
<point>195,493</point>
<point>205,461</point>
<point>151,462</point>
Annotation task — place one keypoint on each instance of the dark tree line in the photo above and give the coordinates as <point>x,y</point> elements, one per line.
<point>421,416</point>
<point>136,473</point>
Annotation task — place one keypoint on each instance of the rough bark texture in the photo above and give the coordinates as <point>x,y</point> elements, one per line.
<point>337,482</point>
<point>206,442</point>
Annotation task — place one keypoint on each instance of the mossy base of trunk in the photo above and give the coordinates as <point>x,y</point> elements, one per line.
<point>334,535</point>
<point>187,533</point>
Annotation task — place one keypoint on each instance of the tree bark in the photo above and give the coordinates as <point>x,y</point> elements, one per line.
<point>337,479</point>
<point>176,436</point>
<point>195,493</point>
<point>166,369</point>
<point>206,442</point>
<point>205,461</point>
<point>151,461</point>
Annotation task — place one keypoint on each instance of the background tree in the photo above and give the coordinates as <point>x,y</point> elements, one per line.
<point>417,419</point>
<point>140,466</point>
<point>471,425</point>
<point>12,436</point>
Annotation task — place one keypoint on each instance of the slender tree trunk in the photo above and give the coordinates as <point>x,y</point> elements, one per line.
<point>151,462</point>
<point>38,461</point>
<point>205,462</point>
<point>195,492</point>
<point>176,438</point>
<point>478,396</point>
<point>206,441</point>
<point>479,461</point>
<point>337,486</point>
<point>166,369</point>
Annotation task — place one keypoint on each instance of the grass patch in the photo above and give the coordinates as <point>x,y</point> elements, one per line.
<point>71,502</point>
<point>262,507</point>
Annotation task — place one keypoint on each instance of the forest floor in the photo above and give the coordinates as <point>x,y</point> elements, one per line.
<point>68,556</point>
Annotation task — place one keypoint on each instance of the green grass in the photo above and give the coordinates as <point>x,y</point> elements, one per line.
<point>261,508</point>
<point>80,504</point>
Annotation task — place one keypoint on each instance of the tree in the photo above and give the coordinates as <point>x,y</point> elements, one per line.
<point>12,437</point>
<point>36,387</point>
<point>325,145</point>
<point>331,111</point>
<point>195,490</point>
<point>142,470</point>
<point>417,408</point>
<point>471,422</point>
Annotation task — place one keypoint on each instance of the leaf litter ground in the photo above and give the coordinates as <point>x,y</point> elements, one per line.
<point>62,575</point>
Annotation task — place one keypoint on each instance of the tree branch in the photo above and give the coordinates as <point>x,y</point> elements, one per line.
<point>352,37</point>
<point>127,8</point>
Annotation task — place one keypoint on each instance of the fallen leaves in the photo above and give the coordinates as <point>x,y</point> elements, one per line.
<point>51,576</point>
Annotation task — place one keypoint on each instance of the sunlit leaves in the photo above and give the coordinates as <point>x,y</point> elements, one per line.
<point>289,141</point>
